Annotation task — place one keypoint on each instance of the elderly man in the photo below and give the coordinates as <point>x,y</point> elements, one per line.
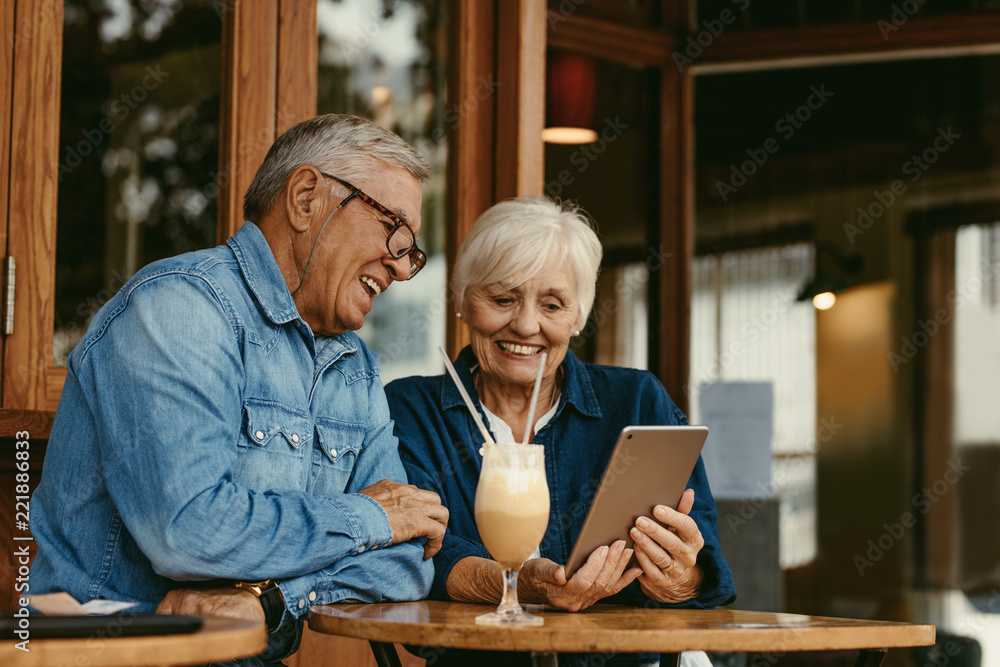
<point>223,443</point>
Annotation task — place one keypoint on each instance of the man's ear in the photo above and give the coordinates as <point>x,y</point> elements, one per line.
<point>302,196</point>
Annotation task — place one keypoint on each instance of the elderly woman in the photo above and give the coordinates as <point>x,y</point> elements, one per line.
<point>524,284</point>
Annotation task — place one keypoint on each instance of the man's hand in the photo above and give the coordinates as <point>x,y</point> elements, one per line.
<point>601,576</point>
<point>230,602</point>
<point>412,512</point>
<point>669,556</point>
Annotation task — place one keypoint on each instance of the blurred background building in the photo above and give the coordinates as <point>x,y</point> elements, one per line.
<point>739,157</point>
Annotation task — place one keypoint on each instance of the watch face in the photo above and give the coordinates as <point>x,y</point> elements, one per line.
<point>255,587</point>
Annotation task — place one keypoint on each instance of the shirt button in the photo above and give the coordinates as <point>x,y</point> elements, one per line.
<point>333,452</point>
<point>302,603</point>
<point>295,438</point>
<point>312,596</point>
<point>259,435</point>
<point>361,549</point>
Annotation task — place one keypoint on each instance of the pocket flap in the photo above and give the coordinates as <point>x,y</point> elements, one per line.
<point>266,419</point>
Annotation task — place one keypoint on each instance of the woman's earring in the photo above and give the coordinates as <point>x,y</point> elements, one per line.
<point>576,333</point>
<point>458,315</point>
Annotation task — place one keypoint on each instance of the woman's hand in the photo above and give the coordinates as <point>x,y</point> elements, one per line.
<point>603,575</point>
<point>669,555</point>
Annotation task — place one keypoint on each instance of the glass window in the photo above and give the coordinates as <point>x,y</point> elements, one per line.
<point>746,325</point>
<point>977,322</point>
<point>387,61</point>
<point>139,139</point>
<point>615,178</point>
<point>849,154</point>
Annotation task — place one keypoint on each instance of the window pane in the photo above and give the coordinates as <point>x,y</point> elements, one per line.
<point>139,138</point>
<point>747,326</point>
<point>847,160</point>
<point>387,61</point>
<point>977,322</point>
<point>615,178</point>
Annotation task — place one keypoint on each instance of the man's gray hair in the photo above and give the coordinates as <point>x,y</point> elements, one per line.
<point>523,237</point>
<point>346,146</point>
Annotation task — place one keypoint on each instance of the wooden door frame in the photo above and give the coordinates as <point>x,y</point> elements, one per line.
<point>30,382</point>
<point>268,85</point>
<point>495,114</point>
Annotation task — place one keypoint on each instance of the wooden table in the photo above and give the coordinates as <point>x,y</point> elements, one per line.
<point>613,629</point>
<point>219,639</point>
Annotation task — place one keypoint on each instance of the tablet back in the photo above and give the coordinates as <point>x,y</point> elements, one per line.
<point>650,465</point>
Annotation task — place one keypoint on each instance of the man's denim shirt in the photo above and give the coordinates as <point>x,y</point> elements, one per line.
<point>204,434</point>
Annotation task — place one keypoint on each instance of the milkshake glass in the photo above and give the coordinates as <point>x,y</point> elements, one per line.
<point>512,512</point>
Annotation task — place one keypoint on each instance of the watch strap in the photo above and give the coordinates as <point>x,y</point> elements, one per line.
<point>273,603</point>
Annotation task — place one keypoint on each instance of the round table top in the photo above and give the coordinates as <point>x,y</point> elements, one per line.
<point>612,628</point>
<point>218,639</point>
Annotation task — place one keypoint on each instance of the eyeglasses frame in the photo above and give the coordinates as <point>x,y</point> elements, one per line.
<point>418,258</point>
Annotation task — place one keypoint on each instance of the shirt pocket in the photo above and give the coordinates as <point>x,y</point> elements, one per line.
<point>272,446</point>
<point>338,446</point>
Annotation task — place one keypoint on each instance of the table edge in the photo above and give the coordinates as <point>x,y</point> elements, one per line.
<point>882,635</point>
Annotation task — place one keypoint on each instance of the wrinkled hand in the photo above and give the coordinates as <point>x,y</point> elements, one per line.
<point>601,576</point>
<point>669,556</point>
<point>229,602</point>
<point>412,513</point>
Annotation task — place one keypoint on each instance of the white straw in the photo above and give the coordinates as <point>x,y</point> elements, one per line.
<point>534,398</point>
<point>465,397</point>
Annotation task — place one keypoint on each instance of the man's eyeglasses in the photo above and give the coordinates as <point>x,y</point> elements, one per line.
<point>400,240</point>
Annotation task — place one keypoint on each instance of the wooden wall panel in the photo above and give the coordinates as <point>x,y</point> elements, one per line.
<point>9,567</point>
<point>470,118</point>
<point>33,189</point>
<point>641,47</point>
<point>736,50</point>
<point>935,407</point>
<point>297,63</point>
<point>318,649</point>
<point>670,291</point>
<point>7,27</point>
<point>520,98</point>
<point>249,101</point>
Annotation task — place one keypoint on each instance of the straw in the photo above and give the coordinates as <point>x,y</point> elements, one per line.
<point>465,397</point>
<point>534,399</point>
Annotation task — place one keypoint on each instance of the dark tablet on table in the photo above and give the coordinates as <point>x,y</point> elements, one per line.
<point>113,625</point>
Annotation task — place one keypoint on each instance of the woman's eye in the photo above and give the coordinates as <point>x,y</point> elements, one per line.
<point>552,307</point>
<point>503,301</point>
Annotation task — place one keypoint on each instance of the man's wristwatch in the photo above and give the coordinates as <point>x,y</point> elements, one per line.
<point>270,597</point>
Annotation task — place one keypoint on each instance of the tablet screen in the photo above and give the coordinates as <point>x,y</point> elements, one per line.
<point>650,465</point>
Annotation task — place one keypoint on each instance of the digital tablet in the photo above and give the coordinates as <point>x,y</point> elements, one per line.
<point>650,465</point>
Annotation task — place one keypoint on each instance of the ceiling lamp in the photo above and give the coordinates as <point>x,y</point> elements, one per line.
<point>570,98</point>
<point>823,286</point>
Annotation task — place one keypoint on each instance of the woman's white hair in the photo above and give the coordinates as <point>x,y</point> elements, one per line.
<point>346,146</point>
<point>524,236</point>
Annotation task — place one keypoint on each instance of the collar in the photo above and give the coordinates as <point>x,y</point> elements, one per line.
<point>261,273</point>
<point>577,389</point>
